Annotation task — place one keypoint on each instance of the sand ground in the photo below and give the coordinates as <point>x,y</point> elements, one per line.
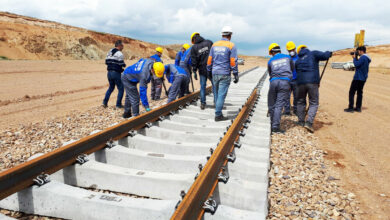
<point>357,144</point>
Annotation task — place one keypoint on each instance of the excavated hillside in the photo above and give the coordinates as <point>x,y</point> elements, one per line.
<point>29,38</point>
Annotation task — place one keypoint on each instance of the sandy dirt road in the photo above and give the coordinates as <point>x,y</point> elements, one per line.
<point>358,144</point>
<point>33,91</point>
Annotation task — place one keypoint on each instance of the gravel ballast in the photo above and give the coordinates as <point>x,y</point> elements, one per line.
<point>301,186</point>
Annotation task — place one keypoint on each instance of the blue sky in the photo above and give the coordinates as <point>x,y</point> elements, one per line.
<point>322,25</point>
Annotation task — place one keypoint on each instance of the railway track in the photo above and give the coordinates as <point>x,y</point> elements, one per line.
<point>140,168</point>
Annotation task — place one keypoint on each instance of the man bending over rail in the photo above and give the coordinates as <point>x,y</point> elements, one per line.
<point>140,72</point>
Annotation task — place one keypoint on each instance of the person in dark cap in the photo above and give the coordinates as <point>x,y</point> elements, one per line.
<point>115,65</point>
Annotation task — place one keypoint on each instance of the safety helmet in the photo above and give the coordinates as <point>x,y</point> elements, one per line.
<point>274,47</point>
<point>186,46</point>
<point>290,46</point>
<point>159,69</point>
<point>192,36</point>
<point>300,47</point>
<point>226,30</point>
<point>159,49</point>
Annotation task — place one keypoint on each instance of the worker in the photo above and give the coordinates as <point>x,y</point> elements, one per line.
<point>115,64</point>
<point>222,61</point>
<point>291,49</point>
<point>280,68</point>
<point>140,72</point>
<point>185,63</point>
<point>199,54</point>
<point>180,53</point>
<point>157,56</point>
<point>156,82</point>
<point>359,79</point>
<point>308,79</point>
<point>177,76</point>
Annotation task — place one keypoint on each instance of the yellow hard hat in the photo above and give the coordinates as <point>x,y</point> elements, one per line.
<point>272,46</point>
<point>186,46</point>
<point>300,47</point>
<point>193,34</point>
<point>290,46</point>
<point>159,49</point>
<point>159,69</point>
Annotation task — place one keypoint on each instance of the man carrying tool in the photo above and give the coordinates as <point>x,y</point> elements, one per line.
<point>185,63</point>
<point>178,78</point>
<point>156,82</point>
<point>359,79</point>
<point>280,68</point>
<point>199,55</point>
<point>291,49</point>
<point>221,62</point>
<point>140,72</point>
<point>115,65</point>
<point>308,79</point>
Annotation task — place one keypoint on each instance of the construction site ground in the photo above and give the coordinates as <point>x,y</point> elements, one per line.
<point>44,103</point>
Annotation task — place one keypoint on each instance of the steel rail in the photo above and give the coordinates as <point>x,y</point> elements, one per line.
<point>191,207</point>
<point>21,176</point>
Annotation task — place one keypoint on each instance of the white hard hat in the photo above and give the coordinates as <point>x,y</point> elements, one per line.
<point>226,30</point>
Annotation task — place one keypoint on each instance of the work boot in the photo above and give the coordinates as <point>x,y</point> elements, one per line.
<point>119,106</point>
<point>126,114</point>
<point>300,123</point>
<point>202,106</point>
<point>350,110</point>
<point>357,109</point>
<point>277,131</point>
<point>309,127</point>
<point>104,105</point>
<point>295,112</point>
<point>221,118</point>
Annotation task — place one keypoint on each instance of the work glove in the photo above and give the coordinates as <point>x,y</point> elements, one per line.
<point>147,109</point>
<point>195,76</point>
<point>235,79</point>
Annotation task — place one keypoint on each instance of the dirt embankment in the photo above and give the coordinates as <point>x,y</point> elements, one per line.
<point>380,56</point>
<point>34,39</point>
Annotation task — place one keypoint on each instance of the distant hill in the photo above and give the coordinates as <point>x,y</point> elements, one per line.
<point>175,47</point>
<point>380,55</point>
<point>24,37</point>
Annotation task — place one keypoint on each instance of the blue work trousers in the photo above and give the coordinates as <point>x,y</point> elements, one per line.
<point>178,87</point>
<point>114,78</point>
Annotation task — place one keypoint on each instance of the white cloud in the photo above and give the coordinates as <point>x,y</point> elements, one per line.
<point>319,24</point>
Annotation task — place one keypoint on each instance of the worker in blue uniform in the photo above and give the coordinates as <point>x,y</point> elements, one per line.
<point>139,73</point>
<point>308,80</point>
<point>280,68</point>
<point>185,63</point>
<point>156,82</point>
<point>178,78</point>
<point>179,54</point>
<point>291,49</point>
